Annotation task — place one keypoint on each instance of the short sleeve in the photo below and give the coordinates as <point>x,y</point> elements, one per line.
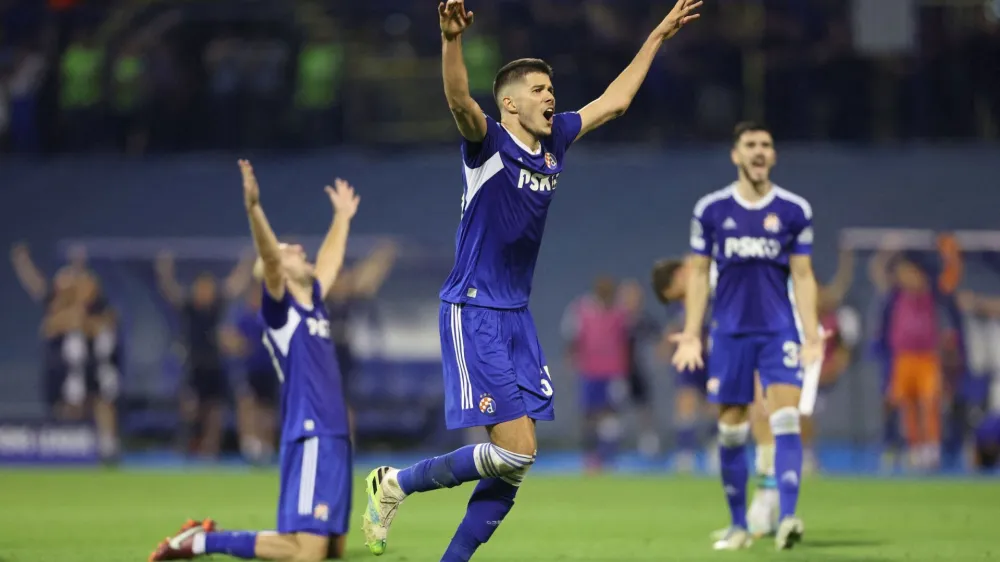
<point>274,312</point>
<point>565,129</point>
<point>702,236</point>
<point>475,154</point>
<point>802,232</point>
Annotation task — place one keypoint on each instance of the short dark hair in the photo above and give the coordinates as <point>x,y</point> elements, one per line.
<point>744,127</point>
<point>663,275</point>
<point>516,70</point>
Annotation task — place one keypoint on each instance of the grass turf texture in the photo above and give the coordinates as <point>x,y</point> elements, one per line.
<point>108,516</point>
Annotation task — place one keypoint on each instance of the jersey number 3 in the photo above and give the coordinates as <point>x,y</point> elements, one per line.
<point>791,351</point>
<point>546,384</point>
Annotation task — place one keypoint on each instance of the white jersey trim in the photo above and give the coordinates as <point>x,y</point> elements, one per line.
<point>458,340</point>
<point>521,145</point>
<point>307,478</point>
<point>476,178</point>
<point>283,335</point>
<point>704,202</point>
<point>794,199</point>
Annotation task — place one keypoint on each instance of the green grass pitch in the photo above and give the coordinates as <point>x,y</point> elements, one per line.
<point>109,516</point>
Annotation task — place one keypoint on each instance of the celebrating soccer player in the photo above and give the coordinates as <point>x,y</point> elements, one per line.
<point>315,459</point>
<point>760,238</point>
<point>495,373</point>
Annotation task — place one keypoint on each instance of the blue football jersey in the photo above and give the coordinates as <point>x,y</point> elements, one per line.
<point>508,189</point>
<point>298,338</point>
<point>751,244</point>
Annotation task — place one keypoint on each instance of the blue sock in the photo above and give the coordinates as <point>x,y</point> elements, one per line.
<point>239,544</point>
<point>787,458</point>
<point>472,462</point>
<point>489,504</point>
<point>687,437</point>
<point>735,469</point>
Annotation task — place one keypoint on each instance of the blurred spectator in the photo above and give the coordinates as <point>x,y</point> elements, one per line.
<point>596,330</point>
<point>318,99</point>
<point>128,98</point>
<point>258,395</point>
<point>849,71</point>
<point>80,91</point>
<point>24,86</point>
<point>206,390</point>
<point>224,59</point>
<point>643,330</point>
<point>355,286</point>
<point>82,359</point>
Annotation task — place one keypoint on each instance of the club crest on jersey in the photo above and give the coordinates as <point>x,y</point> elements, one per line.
<point>550,160</point>
<point>772,223</point>
<point>487,405</point>
<point>321,512</point>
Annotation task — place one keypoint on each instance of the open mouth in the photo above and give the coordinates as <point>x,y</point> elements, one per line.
<point>548,113</point>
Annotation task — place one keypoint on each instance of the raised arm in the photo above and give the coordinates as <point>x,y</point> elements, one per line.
<point>166,279</point>
<point>31,278</point>
<point>616,99</point>
<point>368,276</point>
<point>239,278</point>
<point>264,240</point>
<point>330,258</point>
<point>837,288</point>
<point>468,115</point>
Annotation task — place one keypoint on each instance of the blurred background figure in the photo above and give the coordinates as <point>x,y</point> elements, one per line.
<point>644,332</point>
<point>692,415</point>
<point>207,387</point>
<point>351,295</point>
<point>81,351</point>
<point>841,327</point>
<point>258,393</point>
<point>596,328</point>
<point>128,117</point>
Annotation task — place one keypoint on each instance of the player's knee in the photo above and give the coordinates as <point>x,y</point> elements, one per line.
<point>786,421</point>
<point>496,462</point>
<point>733,435</point>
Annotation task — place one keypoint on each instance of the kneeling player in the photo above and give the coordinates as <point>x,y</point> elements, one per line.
<point>760,237</point>
<point>315,497</point>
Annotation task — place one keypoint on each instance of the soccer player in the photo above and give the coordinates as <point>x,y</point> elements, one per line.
<point>495,374</point>
<point>315,457</point>
<point>670,279</point>
<point>760,238</point>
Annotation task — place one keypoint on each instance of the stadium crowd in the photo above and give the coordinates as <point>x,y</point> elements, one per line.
<point>85,75</point>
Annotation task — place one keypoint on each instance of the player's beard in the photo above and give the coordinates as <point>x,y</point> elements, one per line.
<point>758,185</point>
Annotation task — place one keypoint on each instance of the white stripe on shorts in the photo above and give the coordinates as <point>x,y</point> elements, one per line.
<point>458,340</point>
<point>307,476</point>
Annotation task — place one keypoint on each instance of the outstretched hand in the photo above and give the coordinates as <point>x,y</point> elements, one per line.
<point>688,356</point>
<point>682,14</point>
<point>454,18</point>
<point>345,200</point>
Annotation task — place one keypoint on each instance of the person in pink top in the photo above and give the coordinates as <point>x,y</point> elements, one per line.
<point>596,330</point>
